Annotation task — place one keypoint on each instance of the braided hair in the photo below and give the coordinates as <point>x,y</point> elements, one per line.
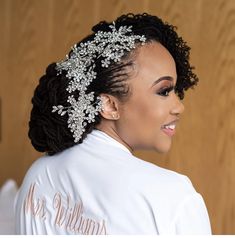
<point>49,132</point>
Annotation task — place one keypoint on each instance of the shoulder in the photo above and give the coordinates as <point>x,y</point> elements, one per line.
<point>160,181</point>
<point>162,189</point>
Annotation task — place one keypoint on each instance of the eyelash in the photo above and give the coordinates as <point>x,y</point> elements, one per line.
<point>166,90</point>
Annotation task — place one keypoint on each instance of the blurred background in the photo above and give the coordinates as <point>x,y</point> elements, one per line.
<point>35,33</point>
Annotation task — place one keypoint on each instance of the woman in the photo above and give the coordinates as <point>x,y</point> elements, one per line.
<point>118,90</point>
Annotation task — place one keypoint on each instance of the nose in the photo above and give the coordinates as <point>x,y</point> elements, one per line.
<point>177,107</point>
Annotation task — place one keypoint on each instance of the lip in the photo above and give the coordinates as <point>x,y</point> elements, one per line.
<point>169,132</point>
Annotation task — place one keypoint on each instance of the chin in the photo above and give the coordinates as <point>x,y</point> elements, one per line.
<point>162,149</point>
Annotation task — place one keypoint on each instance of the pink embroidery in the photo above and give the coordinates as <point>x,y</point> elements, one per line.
<point>72,219</point>
<point>68,215</point>
<point>33,206</point>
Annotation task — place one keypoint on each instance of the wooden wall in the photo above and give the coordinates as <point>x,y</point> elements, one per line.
<point>34,33</point>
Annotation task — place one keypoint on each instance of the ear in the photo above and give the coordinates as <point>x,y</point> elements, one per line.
<point>110,107</point>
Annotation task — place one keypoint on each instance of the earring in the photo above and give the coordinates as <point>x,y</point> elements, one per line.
<point>114,116</point>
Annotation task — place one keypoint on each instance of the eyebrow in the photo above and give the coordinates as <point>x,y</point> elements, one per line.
<point>169,78</point>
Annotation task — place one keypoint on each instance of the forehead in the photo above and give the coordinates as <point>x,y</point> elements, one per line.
<point>153,61</point>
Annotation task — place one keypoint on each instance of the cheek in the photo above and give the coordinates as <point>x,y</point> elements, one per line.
<point>159,111</point>
<point>151,105</point>
<point>148,111</point>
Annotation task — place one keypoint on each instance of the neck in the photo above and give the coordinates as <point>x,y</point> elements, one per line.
<point>114,134</point>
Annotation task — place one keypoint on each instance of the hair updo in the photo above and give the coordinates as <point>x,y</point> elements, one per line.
<point>49,131</point>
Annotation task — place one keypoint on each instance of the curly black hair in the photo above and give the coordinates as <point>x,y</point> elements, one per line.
<point>49,131</point>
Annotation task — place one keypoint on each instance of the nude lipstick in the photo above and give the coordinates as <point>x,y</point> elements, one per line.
<point>169,128</point>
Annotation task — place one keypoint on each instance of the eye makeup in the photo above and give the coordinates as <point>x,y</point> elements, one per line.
<point>165,88</point>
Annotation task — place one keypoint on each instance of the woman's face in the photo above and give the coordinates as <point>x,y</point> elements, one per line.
<point>153,103</point>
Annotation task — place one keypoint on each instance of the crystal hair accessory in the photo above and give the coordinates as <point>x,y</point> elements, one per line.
<point>80,67</point>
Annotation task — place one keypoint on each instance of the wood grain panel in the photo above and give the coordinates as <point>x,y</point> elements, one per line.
<point>35,33</point>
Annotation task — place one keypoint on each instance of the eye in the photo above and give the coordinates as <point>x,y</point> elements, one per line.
<point>165,91</point>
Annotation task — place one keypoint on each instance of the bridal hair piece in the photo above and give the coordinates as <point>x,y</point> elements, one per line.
<point>110,46</point>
